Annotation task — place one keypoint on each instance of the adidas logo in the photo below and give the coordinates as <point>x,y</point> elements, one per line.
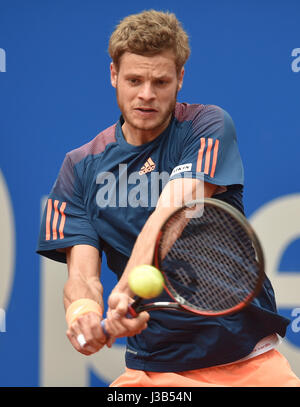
<point>148,166</point>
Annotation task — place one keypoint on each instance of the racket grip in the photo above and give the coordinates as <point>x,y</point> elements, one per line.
<point>103,327</point>
<point>131,313</point>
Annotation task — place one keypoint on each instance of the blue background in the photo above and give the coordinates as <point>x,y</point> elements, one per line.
<point>56,95</point>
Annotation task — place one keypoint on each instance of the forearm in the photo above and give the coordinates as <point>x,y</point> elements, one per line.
<point>84,266</point>
<point>174,195</point>
<point>142,252</point>
<point>83,300</point>
<point>78,287</point>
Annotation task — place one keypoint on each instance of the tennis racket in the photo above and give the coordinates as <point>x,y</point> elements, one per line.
<point>211,260</point>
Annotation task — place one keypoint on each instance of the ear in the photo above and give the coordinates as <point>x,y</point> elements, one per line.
<point>180,79</point>
<point>113,75</point>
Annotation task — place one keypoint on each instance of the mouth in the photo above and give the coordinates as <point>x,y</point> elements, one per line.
<point>146,110</point>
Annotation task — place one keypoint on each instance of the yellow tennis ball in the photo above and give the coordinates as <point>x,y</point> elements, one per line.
<point>146,281</point>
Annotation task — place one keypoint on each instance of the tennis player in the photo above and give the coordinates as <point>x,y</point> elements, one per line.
<point>112,195</point>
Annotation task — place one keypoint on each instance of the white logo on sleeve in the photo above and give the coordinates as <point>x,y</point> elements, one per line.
<point>78,309</point>
<point>181,168</point>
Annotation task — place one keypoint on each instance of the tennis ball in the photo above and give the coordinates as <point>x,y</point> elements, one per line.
<point>146,281</point>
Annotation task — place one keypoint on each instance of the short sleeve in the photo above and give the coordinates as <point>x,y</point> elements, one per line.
<point>210,149</point>
<point>65,222</point>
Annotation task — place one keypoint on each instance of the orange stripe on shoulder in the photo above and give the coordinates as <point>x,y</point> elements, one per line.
<point>48,219</point>
<point>63,219</point>
<point>215,157</point>
<point>200,154</point>
<point>55,219</point>
<point>207,155</point>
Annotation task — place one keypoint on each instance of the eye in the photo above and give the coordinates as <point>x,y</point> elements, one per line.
<point>133,81</point>
<point>161,82</point>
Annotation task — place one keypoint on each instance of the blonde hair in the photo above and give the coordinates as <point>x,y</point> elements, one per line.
<point>149,33</point>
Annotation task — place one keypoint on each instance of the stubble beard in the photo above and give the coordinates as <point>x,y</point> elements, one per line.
<point>163,123</point>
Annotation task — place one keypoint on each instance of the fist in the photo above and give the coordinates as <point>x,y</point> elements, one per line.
<point>89,326</point>
<point>118,323</point>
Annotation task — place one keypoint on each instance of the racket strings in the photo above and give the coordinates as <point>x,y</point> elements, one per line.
<point>209,261</point>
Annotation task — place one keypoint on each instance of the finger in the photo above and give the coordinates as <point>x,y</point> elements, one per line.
<point>110,342</point>
<point>119,303</point>
<point>86,335</point>
<point>137,324</point>
<point>127,326</point>
<point>90,328</point>
<point>73,339</point>
<point>127,321</point>
<point>90,325</point>
<point>115,328</point>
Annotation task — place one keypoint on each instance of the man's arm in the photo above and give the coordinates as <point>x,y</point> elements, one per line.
<point>84,266</point>
<point>175,193</point>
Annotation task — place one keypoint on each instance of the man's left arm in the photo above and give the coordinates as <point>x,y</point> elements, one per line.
<point>175,193</point>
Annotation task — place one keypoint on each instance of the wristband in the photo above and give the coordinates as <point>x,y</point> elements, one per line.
<point>80,307</point>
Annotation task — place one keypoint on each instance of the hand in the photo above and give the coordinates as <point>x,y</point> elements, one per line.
<point>117,323</point>
<point>89,326</point>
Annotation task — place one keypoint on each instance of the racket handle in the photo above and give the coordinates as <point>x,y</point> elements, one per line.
<point>131,313</point>
<point>103,327</point>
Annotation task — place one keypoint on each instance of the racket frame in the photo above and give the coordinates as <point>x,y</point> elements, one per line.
<point>180,303</point>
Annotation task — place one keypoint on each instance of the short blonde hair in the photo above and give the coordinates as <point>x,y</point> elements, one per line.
<point>148,33</point>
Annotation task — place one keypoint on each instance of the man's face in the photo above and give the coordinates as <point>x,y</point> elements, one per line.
<point>147,88</point>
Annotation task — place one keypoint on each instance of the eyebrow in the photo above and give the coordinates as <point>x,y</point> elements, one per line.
<point>138,76</point>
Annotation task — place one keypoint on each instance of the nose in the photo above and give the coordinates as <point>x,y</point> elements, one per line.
<point>146,92</point>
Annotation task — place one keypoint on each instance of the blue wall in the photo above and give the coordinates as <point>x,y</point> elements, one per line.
<point>55,95</point>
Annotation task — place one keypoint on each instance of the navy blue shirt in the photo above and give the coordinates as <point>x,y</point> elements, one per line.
<point>105,192</point>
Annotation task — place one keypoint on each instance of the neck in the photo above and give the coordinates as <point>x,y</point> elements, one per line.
<point>137,137</point>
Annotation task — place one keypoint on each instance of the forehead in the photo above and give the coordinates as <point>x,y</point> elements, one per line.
<point>162,63</point>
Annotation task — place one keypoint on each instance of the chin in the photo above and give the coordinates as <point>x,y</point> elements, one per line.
<point>148,124</point>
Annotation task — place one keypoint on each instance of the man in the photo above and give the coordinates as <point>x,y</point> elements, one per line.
<point>94,208</point>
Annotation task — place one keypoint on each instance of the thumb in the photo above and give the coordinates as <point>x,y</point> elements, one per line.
<point>144,316</point>
<point>118,304</point>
